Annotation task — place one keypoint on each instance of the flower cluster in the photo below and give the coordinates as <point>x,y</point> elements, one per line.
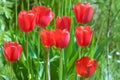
<point>58,37</point>
<point>83,14</point>
<point>41,16</point>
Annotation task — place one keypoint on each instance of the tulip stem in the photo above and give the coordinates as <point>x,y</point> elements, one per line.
<point>28,4</point>
<point>108,35</point>
<point>47,65</point>
<point>11,71</point>
<point>82,51</point>
<point>80,55</point>
<point>61,66</point>
<point>16,14</point>
<point>27,59</point>
<point>38,50</point>
<point>78,77</point>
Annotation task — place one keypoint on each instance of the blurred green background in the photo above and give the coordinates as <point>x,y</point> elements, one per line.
<point>104,11</point>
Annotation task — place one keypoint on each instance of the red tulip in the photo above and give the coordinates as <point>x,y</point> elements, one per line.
<point>83,12</point>
<point>12,51</point>
<point>85,67</point>
<point>83,35</point>
<point>47,38</point>
<point>26,20</point>
<point>61,38</point>
<point>63,23</point>
<point>44,15</point>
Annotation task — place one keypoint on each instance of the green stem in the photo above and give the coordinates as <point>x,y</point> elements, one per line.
<point>47,65</point>
<point>78,77</point>
<point>61,66</point>
<point>28,4</point>
<point>22,7</point>
<point>39,43</point>
<point>80,55</point>
<point>27,59</point>
<point>27,45</point>
<point>82,50</point>
<point>16,14</point>
<point>11,74</point>
<point>108,35</point>
<point>38,52</point>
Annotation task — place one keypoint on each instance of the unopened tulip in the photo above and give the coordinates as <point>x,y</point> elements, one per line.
<point>83,12</point>
<point>83,35</point>
<point>61,38</point>
<point>26,20</point>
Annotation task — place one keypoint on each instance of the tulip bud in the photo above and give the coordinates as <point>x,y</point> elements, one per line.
<point>61,38</point>
<point>26,20</point>
<point>83,12</point>
<point>83,35</point>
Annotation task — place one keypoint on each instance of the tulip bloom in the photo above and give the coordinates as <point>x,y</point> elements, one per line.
<point>26,20</point>
<point>44,15</point>
<point>63,23</point>
<point>61,38</point>
<point>83,12</point>
<point>12,51</point>
<point>85,67</point>
<point>83,35</point>
<point>46,37</point>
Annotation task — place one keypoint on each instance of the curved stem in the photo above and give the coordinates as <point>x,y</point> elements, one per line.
<point>47,65</point>
<point>61,66</point>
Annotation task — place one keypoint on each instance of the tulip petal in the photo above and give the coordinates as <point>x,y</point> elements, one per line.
<point>63,23</point>
<point>10,53</point>
<point>46,37</point>
<point>44,15</point>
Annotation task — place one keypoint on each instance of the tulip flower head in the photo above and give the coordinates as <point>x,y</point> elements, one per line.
<point>63,23</point>
<point>83,35</point>
<point>12,51</point>
<point>83,12</point>
<point>26,20</point>
<point>85,67</point>
<point>61,38</point>
<point>44,15</point>
<point>46,37</point>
